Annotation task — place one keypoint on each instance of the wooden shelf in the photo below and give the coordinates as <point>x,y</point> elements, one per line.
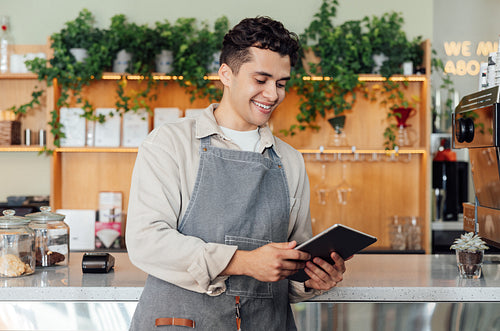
<point>96,150</point>
<point>19,76</point>
<point>214,76</point>
<point>20,148</point>
<point>364,151</point>
<point>374,78</point>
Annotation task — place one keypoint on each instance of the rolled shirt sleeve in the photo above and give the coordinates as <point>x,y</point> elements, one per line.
<point>158,195</point>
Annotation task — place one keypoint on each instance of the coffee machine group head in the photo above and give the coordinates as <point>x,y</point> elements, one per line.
<point>476,126</point>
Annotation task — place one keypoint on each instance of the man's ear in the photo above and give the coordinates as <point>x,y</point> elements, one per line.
<point>225,74</point>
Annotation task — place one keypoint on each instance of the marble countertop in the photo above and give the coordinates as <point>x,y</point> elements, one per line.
<point>69,283</point>
<point>369,278</point>
<point>413,278</point>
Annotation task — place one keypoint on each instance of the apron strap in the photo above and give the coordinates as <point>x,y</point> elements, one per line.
<point>205,143</point>
<point>273,155</point>
<point>174,321</point>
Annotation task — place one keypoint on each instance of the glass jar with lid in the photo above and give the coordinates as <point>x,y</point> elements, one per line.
<point>51,238</point>
<point>17,245</point>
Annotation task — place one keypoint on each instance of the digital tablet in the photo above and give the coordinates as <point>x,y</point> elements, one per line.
<point>337,238</point>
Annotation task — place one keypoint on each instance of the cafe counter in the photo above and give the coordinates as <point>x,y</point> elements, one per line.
<point>65,298</point>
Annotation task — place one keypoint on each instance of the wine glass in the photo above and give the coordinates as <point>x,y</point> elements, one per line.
<point>322,189</point>
<point>343,190</point>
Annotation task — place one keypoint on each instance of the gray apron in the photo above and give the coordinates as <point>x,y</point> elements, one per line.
<point>239,198</point>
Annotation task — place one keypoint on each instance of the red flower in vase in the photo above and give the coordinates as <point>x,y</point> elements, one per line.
<point>402,114</point>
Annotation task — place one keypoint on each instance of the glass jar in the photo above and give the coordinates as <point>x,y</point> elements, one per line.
<point>414,233</point>
<point>51,238</point>
<point>17,246</point>
<point>397,233</point>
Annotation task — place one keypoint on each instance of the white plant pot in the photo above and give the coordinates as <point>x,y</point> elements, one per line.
<point>379,60</point>
<point>122,61</point>
<point>213,67</point>
<point>407,68</point>
<point>164,61</point>
<point>80,54</point>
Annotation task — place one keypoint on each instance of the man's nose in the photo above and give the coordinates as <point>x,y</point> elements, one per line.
<point>271,91</point>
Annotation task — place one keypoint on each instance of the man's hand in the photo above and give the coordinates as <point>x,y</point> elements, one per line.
<point>323,275</point>
<point>269,263</point>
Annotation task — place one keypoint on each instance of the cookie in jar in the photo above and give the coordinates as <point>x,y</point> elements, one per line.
<point>51,238</point>
<point>17,245</point>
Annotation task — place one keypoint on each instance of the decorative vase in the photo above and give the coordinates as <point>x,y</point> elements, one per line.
<point>164,61</point>
<point>379,60</point>
<point>406,136</point>
<point>402,114</point>
<point>338,136</point>
<point>122,61</point>
<point>80,54</point>
<point>213,66</point>
<point>469,263</point>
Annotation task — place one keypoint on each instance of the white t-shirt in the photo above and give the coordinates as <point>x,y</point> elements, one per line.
<point>247,140</point>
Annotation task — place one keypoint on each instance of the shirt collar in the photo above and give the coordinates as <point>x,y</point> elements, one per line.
<point>206,125</point>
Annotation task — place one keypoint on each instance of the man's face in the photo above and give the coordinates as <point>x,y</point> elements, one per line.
<point>257,89</point>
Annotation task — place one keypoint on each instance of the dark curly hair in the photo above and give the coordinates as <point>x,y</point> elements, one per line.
<point>262,32</point>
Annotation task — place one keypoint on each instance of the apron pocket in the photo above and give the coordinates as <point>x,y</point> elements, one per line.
<point>243,285</point>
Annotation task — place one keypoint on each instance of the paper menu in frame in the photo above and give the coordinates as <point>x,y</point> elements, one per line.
<point>166,115</point>
<point>193,112</point>
<point>337,238</point>
<point>73,127</point>
<point>107,134</point>
<point>135,127</point>
<point>108,229</point>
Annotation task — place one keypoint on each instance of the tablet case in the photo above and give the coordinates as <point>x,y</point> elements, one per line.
<point>337,238</point>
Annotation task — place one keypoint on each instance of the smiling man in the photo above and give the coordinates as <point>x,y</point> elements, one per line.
<point>217,203</point>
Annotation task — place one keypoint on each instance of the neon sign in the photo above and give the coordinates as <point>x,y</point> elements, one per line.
<point>466,49</point>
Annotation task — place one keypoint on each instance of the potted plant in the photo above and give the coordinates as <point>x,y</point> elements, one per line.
<point>80,34</point>
<point>164,39</point>
<point>71,76</point>
<point>121,38</point>
<point>341,52</point>
<point>345,51</point>
<point>469,249</point>
<point>389,43</point>
<point>196,53</point>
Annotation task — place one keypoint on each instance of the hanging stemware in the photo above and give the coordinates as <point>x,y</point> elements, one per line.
<point>322,189</point>
<point>343,190</point>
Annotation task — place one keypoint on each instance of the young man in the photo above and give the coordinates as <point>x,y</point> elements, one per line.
<point>218,203</point>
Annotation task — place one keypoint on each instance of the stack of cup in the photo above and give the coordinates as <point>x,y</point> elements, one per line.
<point>497,68</point>
<point>492,70</point>
<point>483,71</point>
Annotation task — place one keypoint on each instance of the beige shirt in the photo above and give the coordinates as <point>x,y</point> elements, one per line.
<point>162,184</point>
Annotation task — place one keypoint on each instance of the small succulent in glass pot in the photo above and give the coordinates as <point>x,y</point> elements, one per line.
<point>469,249</point>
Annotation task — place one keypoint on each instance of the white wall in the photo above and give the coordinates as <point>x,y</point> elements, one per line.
<point>33,21</point>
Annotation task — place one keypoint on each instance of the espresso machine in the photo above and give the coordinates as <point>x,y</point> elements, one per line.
<point>476,126</point>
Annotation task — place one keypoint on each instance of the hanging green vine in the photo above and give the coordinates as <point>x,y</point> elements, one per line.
<point>344,51</point>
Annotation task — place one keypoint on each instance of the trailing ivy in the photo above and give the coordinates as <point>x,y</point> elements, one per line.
<point>344,51</point>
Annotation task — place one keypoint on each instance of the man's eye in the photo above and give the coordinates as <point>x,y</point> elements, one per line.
<point>260,81</point>
<point>280,85</point>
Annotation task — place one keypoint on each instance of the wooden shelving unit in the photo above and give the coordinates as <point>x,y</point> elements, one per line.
<point>383,183</point>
